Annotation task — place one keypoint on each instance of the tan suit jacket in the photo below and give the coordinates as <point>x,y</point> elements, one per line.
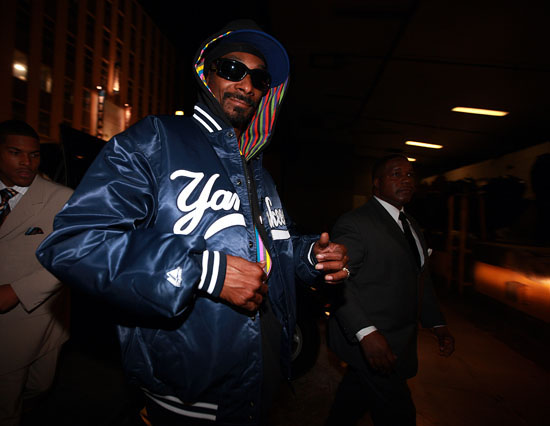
<point>39,323</point>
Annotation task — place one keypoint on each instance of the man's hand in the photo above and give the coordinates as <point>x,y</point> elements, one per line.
<point>331,258</point>
<point>244,284</point>
<point>445,339</point>
<point>8,298</point>
<point>378,353</point>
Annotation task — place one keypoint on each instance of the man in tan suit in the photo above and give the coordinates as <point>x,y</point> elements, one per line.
<point>33,306</point>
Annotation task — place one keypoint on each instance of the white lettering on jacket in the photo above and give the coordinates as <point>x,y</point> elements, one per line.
<point>276,218</point>
<point>219,200</point>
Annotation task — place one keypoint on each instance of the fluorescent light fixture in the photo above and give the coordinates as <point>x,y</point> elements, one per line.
<point>480,111</point>
<point>411,159</point>
<point>424,144</point>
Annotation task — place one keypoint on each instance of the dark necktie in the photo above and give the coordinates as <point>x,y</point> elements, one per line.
<point>6,194</point>
<point>410,238</point>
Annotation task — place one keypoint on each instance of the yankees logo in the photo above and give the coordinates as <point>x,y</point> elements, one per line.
<point>219,200</point>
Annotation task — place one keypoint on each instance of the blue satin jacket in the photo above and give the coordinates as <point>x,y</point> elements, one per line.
<point>148,229</point>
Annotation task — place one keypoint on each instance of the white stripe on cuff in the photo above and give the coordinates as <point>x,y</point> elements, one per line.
<point>215,270</point>
<point>205,255</point>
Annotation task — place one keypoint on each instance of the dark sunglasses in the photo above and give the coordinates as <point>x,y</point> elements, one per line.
<point>233,70</point>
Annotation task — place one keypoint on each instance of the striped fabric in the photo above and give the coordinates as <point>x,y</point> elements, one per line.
<point>257,134</point>
<point>262,253</point>
<point>6,195</point>
<point>197,410</point>
<point>199,65</point>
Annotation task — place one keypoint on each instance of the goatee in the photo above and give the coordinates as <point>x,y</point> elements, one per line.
<point>239,117</point>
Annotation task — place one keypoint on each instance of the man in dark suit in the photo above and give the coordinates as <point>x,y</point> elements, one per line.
<point>33,307</point>
<point>374,329</point>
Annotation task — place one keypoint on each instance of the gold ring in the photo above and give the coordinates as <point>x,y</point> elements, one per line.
<point>347,271</point>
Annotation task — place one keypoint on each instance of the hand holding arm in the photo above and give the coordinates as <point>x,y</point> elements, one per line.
<point>8,298</point>
<point>244,284</point>
<point>378,353</point>
<point>331,258</point>
<point>445,339</point>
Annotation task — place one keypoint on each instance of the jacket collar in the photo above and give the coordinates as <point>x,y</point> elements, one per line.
<point>208,121</point>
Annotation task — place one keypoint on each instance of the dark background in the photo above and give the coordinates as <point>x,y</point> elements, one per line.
<point>368,75</point>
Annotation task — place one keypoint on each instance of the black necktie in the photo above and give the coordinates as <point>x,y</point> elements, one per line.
<point>6,194</point>
<point>410,238</point>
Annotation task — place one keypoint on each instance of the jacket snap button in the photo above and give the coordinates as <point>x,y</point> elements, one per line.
<point>239,182</point>
<point>250,244</point>
<point>230,134</point>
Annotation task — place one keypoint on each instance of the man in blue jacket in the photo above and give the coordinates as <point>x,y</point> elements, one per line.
<point>177,223</point>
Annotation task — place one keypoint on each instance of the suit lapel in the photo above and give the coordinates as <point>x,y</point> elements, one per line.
<point>394,230</point>
<point>420,236</point>
<point>25,208</point>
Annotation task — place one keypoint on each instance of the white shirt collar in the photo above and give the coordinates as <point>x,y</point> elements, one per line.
<point>392,210</point>
<point>20,189</point>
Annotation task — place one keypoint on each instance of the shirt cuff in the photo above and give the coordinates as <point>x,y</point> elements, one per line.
<point>365,332</point>
<point>213,272</point>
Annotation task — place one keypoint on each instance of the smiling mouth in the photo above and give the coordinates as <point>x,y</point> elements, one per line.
<point>241,100</point>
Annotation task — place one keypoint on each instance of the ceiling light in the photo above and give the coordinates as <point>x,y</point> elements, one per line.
<point>179,112</point>
<point>424,144</point>
<point>480,111</point>
<point>19,67</point>
<point>411,159</point>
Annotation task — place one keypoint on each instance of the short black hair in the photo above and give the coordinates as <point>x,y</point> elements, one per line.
<point>16,127</point>
<point>380,164</point>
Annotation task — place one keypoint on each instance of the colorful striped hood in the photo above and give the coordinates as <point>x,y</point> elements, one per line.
<point>261,127</point>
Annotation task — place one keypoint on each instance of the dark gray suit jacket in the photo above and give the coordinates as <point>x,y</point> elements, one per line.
<point>384,288</point>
